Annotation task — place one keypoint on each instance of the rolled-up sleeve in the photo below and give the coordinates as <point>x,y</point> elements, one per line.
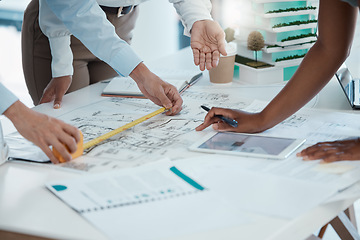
<point>191,11</point>
<point>86,21</point>
<point>7,98</point>
<point>59,40</point>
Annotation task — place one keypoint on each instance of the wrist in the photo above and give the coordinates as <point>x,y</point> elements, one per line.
<point>15,111</point>
<point>197,22</point>
<point>265,120</point>
<point>140,73</point>
<point>66,77</point>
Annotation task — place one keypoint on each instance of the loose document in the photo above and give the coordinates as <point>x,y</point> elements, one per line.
<point>153,201</point>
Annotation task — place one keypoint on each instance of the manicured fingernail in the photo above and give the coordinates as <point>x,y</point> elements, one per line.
<point>56,106</point>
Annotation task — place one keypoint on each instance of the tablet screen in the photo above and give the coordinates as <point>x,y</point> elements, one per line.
<point>234,142</point>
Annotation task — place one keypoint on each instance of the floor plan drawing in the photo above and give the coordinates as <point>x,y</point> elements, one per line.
<point>158,137</point>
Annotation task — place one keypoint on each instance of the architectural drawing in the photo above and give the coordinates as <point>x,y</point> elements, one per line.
<point>313,125</point>
<point>170,136</point>
<point>159,137</point>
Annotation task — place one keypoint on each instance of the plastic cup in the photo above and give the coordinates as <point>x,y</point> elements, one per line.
<point>224,71</point>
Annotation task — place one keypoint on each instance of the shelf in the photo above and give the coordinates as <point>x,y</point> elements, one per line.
<point>290,13</point>
<point>280,29</point>
<point>293,42</point>
<point>293,28</point>
<point>288,63</point>
<point>288,48</point>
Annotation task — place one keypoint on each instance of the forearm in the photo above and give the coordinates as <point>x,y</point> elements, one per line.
<point>315,71</point>
<point>87,22</point>
<point>62,57</point>
<point>7,99</point>
<point>336,26</point>
<point>140,73</point>
<point>59,40</point>
<point>15,112</point>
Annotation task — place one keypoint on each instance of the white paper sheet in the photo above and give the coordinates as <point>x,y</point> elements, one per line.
<point>259,190</point>
<point>126,86</point>
<point>148,202</point>
<point>314,125</point>
<point>172,218</point>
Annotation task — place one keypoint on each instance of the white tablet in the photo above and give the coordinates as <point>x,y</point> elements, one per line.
<point>250,145</point>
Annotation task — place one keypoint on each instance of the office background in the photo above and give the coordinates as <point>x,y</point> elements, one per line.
<point>164,37</point>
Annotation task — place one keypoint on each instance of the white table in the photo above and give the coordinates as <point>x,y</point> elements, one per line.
<point>26,207</point>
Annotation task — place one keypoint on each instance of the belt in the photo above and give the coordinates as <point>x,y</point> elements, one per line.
<point>120,11</point>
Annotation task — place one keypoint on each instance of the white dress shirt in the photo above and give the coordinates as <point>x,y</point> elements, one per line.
<point>7,98</point>
<point>4,149</point>
<point>87,21</point>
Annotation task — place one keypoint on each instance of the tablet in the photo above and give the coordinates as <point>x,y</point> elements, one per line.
<point>250,145</point>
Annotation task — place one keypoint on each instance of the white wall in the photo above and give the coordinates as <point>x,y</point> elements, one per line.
<point>353,61</point>
<point>156,33</point>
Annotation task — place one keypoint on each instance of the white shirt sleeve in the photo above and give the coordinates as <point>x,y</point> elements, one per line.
<point>86,21</point>
<point>7,98</point>
<point>191,11</point>
<point>4,148</point>
<point>59,40</point>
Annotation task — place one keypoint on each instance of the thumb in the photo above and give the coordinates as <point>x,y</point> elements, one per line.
<point>221,46</point>
<point>58,100</point>
<point>221,42</point>
<point>46,97</point>
<point>165,101</point>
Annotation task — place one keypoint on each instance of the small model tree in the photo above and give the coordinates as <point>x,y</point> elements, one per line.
<point>255,42</point>
<point>229,34</point>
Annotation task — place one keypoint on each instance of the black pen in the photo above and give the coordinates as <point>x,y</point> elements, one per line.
<point>229,121</point>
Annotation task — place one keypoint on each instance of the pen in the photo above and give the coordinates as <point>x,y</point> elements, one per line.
<point>195,78</point>
<point>192,81</point>
<point>229,121</point>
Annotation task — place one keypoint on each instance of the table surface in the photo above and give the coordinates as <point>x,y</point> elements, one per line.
<point>26,206</point>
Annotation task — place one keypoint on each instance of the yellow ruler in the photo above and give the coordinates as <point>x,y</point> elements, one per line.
<point>108,135</point>
<point>82,146</point>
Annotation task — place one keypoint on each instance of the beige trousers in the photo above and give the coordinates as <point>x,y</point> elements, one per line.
<point>88,69</point>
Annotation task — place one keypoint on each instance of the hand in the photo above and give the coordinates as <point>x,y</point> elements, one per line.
<point>44,131</point>
<point>247,122</point>
<point>158,91</point>
<point>333,151</point>
<point>207,42</point>
<point>56,90</point>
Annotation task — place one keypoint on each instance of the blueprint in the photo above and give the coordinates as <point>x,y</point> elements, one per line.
<point>314,125</point>
<point>158,137</point>
<point>170,136</point>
